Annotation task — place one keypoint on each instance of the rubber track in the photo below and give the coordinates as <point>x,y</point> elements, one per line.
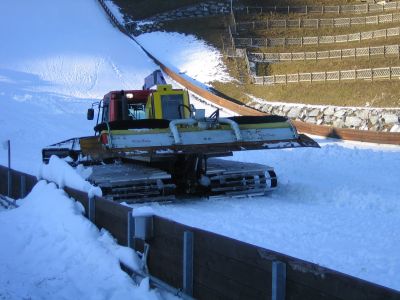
<point>320,130</point>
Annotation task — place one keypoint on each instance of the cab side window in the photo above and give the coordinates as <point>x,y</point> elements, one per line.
<point>171,105</point>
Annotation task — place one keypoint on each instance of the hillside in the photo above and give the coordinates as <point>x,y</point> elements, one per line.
<point>213,29</point>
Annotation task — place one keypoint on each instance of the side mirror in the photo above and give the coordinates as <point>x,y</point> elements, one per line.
<point>90,114</point>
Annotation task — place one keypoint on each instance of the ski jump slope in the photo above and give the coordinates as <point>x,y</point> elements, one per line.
<point>336,206</point>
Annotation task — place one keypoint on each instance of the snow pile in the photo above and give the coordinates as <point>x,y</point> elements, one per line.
<point>50,251</point>
<point>186,54</point>
<point>60,172</point>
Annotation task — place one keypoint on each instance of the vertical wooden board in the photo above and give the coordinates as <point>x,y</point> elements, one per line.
<point>30,182</point>
<point>203,292</point>
<point>296,291</point>
<point>16,184</point>
<point>234,249</point>
<point>166,227</point>
<point>334,283</point>
<point>79,196</point>
<point>3,180</point>
<point>248,276</point>
<point>216,270</point>
<point>113,217</point>
<point>167,245</point>
<point>226,286</point>
<point>113,224</point>
<point>165,259</point>
<point>166,267</point>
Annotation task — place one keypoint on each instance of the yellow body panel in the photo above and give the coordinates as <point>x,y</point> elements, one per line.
<point>154,105</point>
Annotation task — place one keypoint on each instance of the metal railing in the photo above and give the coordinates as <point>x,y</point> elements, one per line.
<point>320,9</point>
<point>388,73</point>
<point>317,23</point>
<point>386,50</point>
<point>316,40</point>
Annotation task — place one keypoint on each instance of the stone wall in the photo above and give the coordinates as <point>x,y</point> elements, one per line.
<point>201,10</point>
<point>362,118</point>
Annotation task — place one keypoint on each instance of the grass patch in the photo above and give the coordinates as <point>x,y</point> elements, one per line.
<point>322,31</point>
<point>350,93</point>
<point>395,40</point>
<point>210,29</point>
<point>296,2</point>
<point>329,65</point>
<point>295,16</point>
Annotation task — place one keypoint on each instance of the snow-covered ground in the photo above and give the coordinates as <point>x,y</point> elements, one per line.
<point>337,206</point>
<point>202,62</point>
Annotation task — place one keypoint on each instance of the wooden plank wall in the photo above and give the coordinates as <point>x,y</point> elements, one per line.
<point>30,182</point>
<point>223,268</point>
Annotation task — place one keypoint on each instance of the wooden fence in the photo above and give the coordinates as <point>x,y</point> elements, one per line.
<point>218,267</point>
<point>21,183</point>
<point>318,9</point>
<point>388,73</point>
<point>317,23</point>
<point>386,50</point>
<point>316,40</point>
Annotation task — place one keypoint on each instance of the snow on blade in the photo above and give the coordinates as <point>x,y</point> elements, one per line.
<point>60,172</point>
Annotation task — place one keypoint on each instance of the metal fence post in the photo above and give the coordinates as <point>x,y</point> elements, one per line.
<point>188,263</point>
<point>91,208</point>
<point>23,186</point>
<point>9,177</point>
<point>278,280</point>
<point>130,230</point>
